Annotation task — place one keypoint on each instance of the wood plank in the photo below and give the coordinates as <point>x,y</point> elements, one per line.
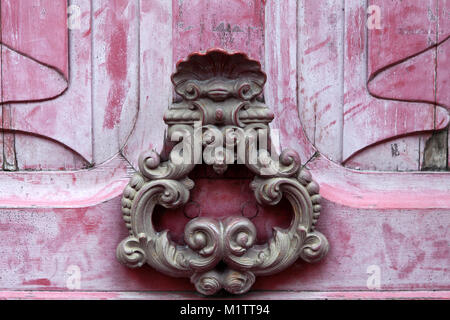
<point>401,154</point>
<point>442,80</point>
<point>411,80</point>
<point>281,89</point>
<point>65,189</point>
<point>1,148</point>
<point>443,21</point>
<point>322,121</point>
<point>338,184</point>
<point>115,74</point>
<point>58,239</point>
<point>406,29</point>
<point>35,49</point>
<point>443,63</point>
<point>382,190</point>
<point>19,72</point>
<point>155,88</point>
<point>261,295</point>
<point>33,152</point>
<point>9,141</point>
<point>321,49</point>
<point>67,119</point>
<point>368,120</point>
<point>236,25</point>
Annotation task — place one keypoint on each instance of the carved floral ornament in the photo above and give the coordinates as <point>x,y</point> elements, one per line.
<point>220,120</point>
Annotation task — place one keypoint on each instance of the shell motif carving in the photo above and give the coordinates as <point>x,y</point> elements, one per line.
<point>222,108</point>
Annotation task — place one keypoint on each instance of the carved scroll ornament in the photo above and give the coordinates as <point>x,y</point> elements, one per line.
<point>220,107</point>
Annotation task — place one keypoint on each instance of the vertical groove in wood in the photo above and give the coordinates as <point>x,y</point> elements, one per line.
<point>92,93</point>
<point>1,90</point>
<point>283,74</point>
<point>344,30</point>
<point>436,65</point>
<point>9,145</point>
<point>115,75</point>
<point>155,89</point>
<point>443,7</point>
<point>8,158</point>
<point>321,64</point>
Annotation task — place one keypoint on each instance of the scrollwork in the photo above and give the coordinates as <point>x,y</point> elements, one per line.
<point>208,283</point>
<point>220,253</point>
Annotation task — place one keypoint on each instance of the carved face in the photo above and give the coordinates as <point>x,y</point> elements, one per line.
<point>218,88</point>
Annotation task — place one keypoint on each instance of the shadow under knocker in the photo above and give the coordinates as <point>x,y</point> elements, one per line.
<point>220,118</point>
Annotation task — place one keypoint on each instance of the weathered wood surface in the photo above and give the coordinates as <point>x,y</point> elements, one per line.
<point>261,295</point>
<point>67,189</point>
<point>155,90</point>
<point>365,88</point>
<point>113,86</point>
<point>27,61</point>
<point>115,29</point>
<point>41,246</point>
<point>65,118</point>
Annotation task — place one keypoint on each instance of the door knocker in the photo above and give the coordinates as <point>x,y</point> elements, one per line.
<point>220,120</point>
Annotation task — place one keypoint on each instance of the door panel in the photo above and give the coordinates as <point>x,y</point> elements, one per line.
<point>59,239</point>
<point>65,117</point>
<point>369,94</point>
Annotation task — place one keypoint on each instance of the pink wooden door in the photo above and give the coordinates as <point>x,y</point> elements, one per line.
<point>360,89</point>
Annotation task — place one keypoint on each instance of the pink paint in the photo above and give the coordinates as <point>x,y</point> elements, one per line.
<point>442,81</point>
<point>20,30</point>
<point>65,117</point>
<point>114,108</point>
<point>355,33</point>
<point>397,220</point>
<point>377,120</point>
<point>236,25</point>
<point>412,80</point>
<point>407,30</point>
<point>116,64</point>
<point>64,189</point>
<point>317,46</point>
<point>37,282</point>
<point>68,240</point>
<point>266,295</point>
<point>370,120</point>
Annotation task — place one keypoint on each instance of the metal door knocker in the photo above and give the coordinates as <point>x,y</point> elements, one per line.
<point>221,120</point>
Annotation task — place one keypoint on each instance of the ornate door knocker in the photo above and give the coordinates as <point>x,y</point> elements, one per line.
<point>220,120</point>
